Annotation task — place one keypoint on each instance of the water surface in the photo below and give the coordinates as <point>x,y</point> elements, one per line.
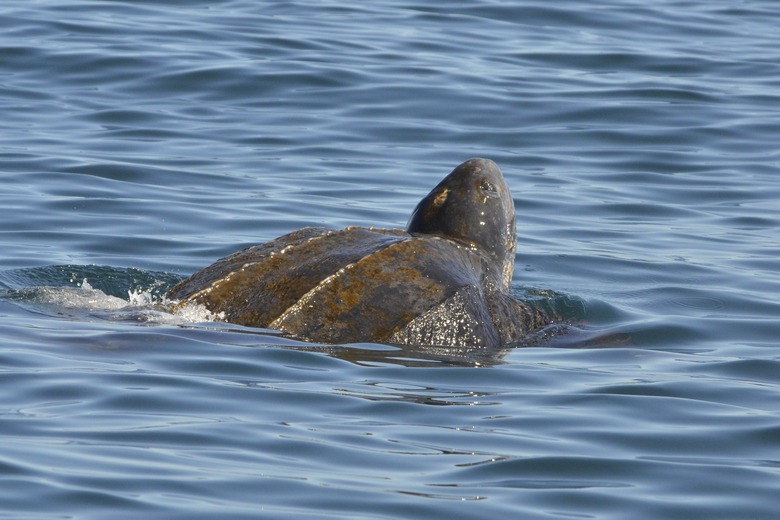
<point>141,141</point>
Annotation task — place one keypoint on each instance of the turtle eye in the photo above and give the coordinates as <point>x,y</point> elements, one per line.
<point>488,188</point>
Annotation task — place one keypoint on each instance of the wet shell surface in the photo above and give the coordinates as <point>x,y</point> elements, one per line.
<point>443,281</point>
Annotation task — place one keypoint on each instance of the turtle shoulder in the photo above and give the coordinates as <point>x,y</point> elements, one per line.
<point>514,320</point>
<point>460,320</point>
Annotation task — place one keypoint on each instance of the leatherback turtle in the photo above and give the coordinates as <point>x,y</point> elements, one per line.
<point>444,281</point>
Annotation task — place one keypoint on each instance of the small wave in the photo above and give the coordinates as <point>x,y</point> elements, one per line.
<point>84,300</point>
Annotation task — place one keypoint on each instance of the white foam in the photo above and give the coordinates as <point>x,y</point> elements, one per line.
<point>84,301</point>
<point>83,296</point>
<point>195,313</point>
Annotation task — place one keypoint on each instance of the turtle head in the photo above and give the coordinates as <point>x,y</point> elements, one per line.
<point>472,205</point>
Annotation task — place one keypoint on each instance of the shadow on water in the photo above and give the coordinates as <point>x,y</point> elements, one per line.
<point>129,295</point>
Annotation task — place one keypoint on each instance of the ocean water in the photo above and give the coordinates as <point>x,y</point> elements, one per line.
<point>142,140</point>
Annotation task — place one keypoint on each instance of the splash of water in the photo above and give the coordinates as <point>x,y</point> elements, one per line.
<point>83,300</point>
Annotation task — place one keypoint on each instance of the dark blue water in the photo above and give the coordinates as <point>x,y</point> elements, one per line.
<point>140,141</point>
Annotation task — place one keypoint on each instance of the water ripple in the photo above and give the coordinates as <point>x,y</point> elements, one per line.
<point>143,140</point>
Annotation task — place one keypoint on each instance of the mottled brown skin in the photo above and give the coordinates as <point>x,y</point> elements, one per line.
<point>443,282</point>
